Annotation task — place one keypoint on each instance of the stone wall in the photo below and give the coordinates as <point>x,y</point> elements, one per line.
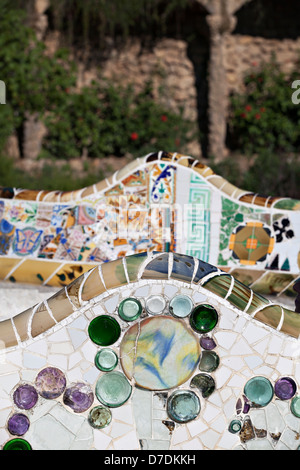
<point>243,53</point>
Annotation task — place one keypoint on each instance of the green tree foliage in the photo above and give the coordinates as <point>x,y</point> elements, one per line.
<point>102,119</point>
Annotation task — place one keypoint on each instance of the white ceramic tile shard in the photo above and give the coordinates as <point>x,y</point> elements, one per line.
<point>246,348</point>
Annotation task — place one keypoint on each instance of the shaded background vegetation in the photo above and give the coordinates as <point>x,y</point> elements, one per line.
<point>108,119</point>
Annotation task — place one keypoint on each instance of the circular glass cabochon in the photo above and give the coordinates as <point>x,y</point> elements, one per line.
<point>155,304</point>
<point>203,318</point>
<point>259,390</point>
<point>183,406</point>
<point>130,309</point>
<point>113,389</point>
<point>106,359</point>
<point>181,306</point>
<point>17,444</point>
<point>104,330</point>
<point>160,353</point>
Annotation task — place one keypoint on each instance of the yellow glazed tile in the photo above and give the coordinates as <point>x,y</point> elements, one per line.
<point>113,273</point>
<point>60,305</point>
<point>270,315</point>
<point>8,338</point>
<point>35,271</point>
<point>93,286</point>
<point>291,323</point>
<point>27,194</point>
<point>21,323</point>
<point>73,291</point>
<point>42,321</point>
<point>6,265</point>
<point>68,273</point>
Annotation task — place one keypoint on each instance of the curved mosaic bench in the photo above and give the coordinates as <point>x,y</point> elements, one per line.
<point>195,359</point>
<point>161,202</point>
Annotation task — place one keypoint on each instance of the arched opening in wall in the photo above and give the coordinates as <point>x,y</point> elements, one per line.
<point>269,19</point>
<point>191,26</point>
<point>98,36</point>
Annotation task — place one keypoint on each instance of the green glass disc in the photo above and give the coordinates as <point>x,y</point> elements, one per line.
<point>181,306</point>
<point>183,406</point>
<point>209,361</point>
<point>130,309</point>
<point>17,444</point>
<point>203,318</point>
<point>259,391</point>
<point>106,359</point>
<point>113,389</point>
<point>104,330</point>
<point>99,417</point>
<point>295,406</point>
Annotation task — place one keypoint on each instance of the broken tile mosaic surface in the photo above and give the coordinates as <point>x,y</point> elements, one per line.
<point>224,375</point>
<point>160,202</point>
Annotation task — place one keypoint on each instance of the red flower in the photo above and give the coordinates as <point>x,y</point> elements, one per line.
<point>248,107</point>
<point>134,136</point>
<point>243,115</point>
<point>262,109</point>
<point>164,118</point>
<point>254,64</point>
<point>257,116</point>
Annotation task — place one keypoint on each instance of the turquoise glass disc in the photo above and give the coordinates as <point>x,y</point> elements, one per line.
<point>104,330</point>
<point>183,406</point>
<point>259,391</point>
<point>106,359</point>
<point>181,306</point>
<point>130,309</point>
<point>113,389</point>
<point>295,406</point>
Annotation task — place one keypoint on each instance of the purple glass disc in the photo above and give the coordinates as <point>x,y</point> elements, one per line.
<point>79,397</point>
<point>25,396</point>
<point>285,388</point>
<point>207,343</point>
<point>50,382</point>
<point>18,424</point>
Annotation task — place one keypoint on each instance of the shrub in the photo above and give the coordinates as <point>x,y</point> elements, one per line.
<point>263,116</point>
<point>108,119</point>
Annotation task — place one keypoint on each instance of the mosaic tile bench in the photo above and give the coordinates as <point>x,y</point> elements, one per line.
<point>163,202</point>
<point>151,351</point>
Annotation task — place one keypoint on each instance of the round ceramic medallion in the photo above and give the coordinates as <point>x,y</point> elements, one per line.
<point>165,356</point>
